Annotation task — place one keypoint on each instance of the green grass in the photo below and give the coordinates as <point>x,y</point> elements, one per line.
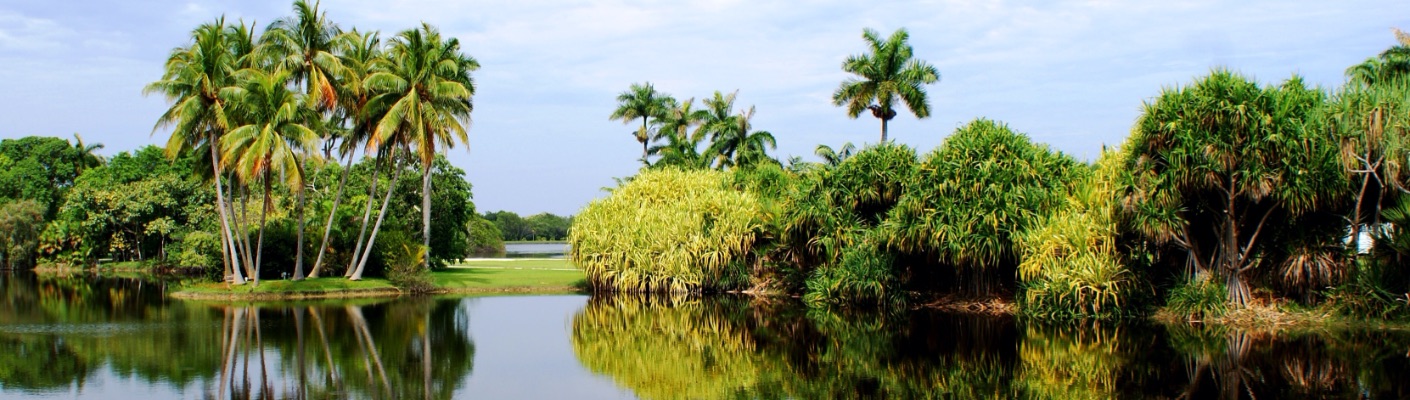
<point>276,287</point>
<point>517,275</point>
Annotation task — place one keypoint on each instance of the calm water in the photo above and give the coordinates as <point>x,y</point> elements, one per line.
<point>118,339</point>
<point>536,250</point>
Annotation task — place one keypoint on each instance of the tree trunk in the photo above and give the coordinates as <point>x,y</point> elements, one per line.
<point>332,214</point>
<point>883,129</point>
<point>264,212</point>
<point>241,224</point>
<point>426,216</point>
<point>227,247</point>
<point>372,238</point>
<point>299,246</point>
<point>366,216</point>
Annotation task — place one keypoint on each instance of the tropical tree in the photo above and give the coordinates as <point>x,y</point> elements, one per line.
<point>1217,167</point>
<point>683,130</point>
<point>1392,65</point>
<point>358,53</point>
<point>833,158</point>
<point>303,45</point>
<point>192,81</point>
<point>86,156</point>
<point>738,144</point>
<point>427,89</point>
<point>277,128</point>
<point>641,100</point>
<point>885,74</point>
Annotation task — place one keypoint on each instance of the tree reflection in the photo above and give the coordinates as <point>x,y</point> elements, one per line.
<point>683,347</point>
<point>59,331</point>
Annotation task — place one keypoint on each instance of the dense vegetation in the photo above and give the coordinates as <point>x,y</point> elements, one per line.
<point>541,226</point>
<point>269,130</point>
<point>1227,193</point>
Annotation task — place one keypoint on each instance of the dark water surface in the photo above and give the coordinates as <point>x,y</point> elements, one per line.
<point>84,337</point>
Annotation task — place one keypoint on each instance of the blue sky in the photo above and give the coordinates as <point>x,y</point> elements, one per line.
<point>1072,74</point>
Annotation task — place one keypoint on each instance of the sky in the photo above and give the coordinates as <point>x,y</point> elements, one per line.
<point>1072,74</point>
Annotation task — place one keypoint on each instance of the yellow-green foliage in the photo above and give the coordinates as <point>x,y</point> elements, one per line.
<point>665,348</point>
<point>667,230</point>
<point>1071,263</point>
<point>1066,363</point>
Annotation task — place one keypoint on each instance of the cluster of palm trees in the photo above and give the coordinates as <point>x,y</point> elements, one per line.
<point>886,77</point>
<point>682,128</point>
<point>259,107</point>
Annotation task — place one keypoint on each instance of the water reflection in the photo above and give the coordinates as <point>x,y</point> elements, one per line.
<point>680,347</point>
<point>58,333</point>
<point>81,336</point>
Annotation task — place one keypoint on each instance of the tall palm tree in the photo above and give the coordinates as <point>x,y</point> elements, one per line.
<point>883,75</point>
<point>303,44</point>
<point>1391,66</point>
<point>191,82</point>
<point>277,129</point>
<point>427,90</point>
<point>641,100</point>
<point>358,53</point>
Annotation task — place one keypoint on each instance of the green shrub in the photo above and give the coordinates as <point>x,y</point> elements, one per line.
<point>1198,298</point>
<point>1073,265</point>
<point>863,275</point>
<point>973,196</point>
<point>667,231</point>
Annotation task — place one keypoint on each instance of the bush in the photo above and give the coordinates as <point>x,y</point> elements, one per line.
<point>667,231</point>
<point>1198,298</point>
<point>1073,264</point>
<point>972,197</point>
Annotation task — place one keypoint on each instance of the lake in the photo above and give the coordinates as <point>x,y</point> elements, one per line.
<point>87,337</point>
<point>536,250</point>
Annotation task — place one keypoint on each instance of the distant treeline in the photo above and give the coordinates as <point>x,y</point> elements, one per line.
<point>542,226</point>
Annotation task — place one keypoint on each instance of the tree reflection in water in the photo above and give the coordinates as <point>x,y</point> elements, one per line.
<point>684,347</point>
<point>376,351</point>
<point>58,332</point>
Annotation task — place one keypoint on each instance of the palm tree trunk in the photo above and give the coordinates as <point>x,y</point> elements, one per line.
<point>241,223</point>
<point>366,216</point>
<point>328,229</point>
<point>299,250</point>
<point>264,212</point>
<point>372,239</point>
<point>426,215</point>
<point>227,247</point>
<point>883,130</point>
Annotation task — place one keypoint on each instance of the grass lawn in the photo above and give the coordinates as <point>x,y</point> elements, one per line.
<point>472,276</point>
<point>276,287</point>
<point>528,274</point>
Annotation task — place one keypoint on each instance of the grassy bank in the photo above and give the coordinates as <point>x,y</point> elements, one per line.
<point>472,276</point>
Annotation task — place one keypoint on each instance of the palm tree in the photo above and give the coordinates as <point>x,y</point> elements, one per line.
<point>1393,65</point>
<point>277,129</point>
<point>883,75</point>
<point>833,158</point>
<point>191,82</point>
<point>427,89</point>
<point>358,53</point>
<point>682,143</point>
<point>738,144</point>
<point>642,101</point>
<point>303,45</point>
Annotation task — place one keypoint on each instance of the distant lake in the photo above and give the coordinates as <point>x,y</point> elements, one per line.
<point>536,250</point>
<point>106,338</point>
